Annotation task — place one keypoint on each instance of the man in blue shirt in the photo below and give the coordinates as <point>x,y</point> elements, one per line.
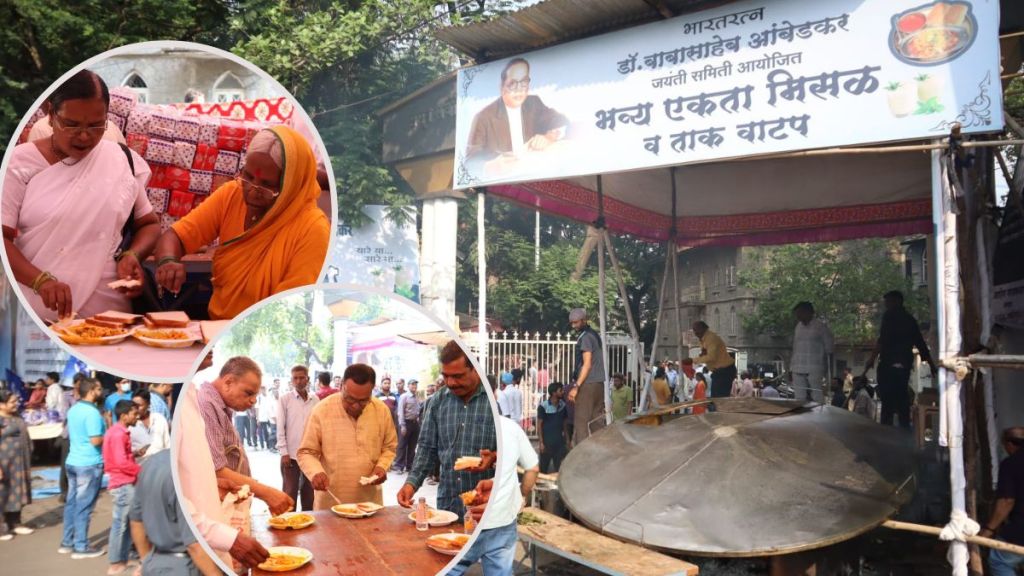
<point>158,401</point>
<point>457,422</point>
<point>124,392</point>
<point>84,469</point>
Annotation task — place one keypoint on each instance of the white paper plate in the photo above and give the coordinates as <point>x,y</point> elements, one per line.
<point>446,551</point>
<point>299,526</point>
<point>161,342</point>
<point>364,514</point>
<point>437,517</point>
<point>290,550</point>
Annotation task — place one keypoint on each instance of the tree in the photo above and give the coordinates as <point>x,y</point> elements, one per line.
<point>282,334</point>
<point>845,282</point>
<point>43,39</point>
<point>527,299</point>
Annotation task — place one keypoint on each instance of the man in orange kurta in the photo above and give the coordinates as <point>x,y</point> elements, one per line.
<point>349,436</point>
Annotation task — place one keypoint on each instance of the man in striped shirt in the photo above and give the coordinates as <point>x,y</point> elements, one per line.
<point>457,422</point>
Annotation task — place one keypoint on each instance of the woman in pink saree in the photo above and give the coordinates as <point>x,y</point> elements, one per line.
<point>65,201</point>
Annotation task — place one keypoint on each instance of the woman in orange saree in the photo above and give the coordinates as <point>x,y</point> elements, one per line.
<point>272,234</point>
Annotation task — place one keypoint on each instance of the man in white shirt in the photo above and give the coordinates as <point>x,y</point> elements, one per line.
<point>813,346</point>
<point>266,412</point>
<point>293,410</point>
<point>495,545</point>
<point>151,433</point>
<point>501,396</point>
<point>54,393</point>
<point>514,395</point>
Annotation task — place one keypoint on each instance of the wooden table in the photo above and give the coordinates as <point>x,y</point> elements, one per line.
<point>386,543</point>
<point>607,555</point>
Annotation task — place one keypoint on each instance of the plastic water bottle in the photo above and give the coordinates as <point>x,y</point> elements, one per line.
<point>422,515</point>
<point>469,524</point>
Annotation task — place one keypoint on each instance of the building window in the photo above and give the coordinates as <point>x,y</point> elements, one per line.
<point>718,321</point>
<point>730,274</point>
<point>228,89</point>
<point>924,266</point>
<point>733,323</point>
<point>138,85</point>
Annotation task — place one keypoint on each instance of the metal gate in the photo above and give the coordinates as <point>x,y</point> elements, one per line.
<point>547,358</point>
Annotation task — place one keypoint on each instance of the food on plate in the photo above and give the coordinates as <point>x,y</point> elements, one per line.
<point>932,43</point>
<point>468,497</point>
<point>290,521</point>
<point>210,328</point>
<point>103,323</point>
<point>467,462</point>
<point>448,541</point>
<point>280,562</point>
<point>943,14</point>
<point>132,283</point>
<point>118,317</point>
<point>361,509</point>
<point>92,332</point>
<point>167,319</point>
<point>163,334</point>
<point>368,506</point>
<point>912,22</point>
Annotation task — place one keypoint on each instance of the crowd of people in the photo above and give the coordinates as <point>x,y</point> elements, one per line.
<point>104,432</point>
<point>342,440</point>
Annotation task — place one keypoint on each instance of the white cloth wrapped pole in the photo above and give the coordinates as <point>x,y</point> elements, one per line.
<point>949,346</point>
<point>481,259</point>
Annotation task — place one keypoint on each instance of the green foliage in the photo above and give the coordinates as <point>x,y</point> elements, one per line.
<point>343,61</point>
<point>1013,99</point>
<point>42,39</point>
<point>274,335</point>
<point>523,298</point>
<point>845,282</point>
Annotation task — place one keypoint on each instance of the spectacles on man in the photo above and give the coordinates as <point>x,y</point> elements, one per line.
<point>518,84</point>
<point>246,180</point>
<point>353,401</point>
<point>61,125</point>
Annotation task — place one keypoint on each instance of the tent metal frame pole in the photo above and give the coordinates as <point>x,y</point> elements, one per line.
<point>942,145</point>
<point>674,255</point>
<point>646,382</point>
<point>602,309</point>
<point>634,330</point>
<point>481,262</point>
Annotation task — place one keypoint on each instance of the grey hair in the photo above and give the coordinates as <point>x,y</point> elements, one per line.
<point>240,366</point>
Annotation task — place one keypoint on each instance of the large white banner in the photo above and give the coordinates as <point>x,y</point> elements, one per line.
<point>744,79</point>
<point>383,253</point>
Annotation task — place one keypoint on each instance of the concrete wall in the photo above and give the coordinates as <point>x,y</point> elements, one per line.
<point>169,75</point>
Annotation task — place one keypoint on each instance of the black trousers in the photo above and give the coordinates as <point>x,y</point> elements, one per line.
<point>892,390</point>
<point>721,381</point>
<point>296,485</point>
<point>406,452</point>
<point>63,444</point>
<point>551,457</point>
<point>264,435</point>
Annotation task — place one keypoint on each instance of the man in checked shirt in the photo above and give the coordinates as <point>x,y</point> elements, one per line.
<point>457,422</point>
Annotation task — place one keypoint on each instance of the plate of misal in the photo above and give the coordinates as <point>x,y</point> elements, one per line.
<point>291,521</point>
<point>437,517</point>
<point>81,333</point>
<point>357,510</point>
<point>285,558</point>
<point>164,337</point>
<point>448,544</point>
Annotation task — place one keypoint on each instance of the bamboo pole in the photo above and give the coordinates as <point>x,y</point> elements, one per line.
<point>1007,361</point>
<point>634,327</point>
<point>645,381</point>
<point>1014,126</point>
<point>481,263</point>
<point>942,145</point>
<point>934,531</point>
